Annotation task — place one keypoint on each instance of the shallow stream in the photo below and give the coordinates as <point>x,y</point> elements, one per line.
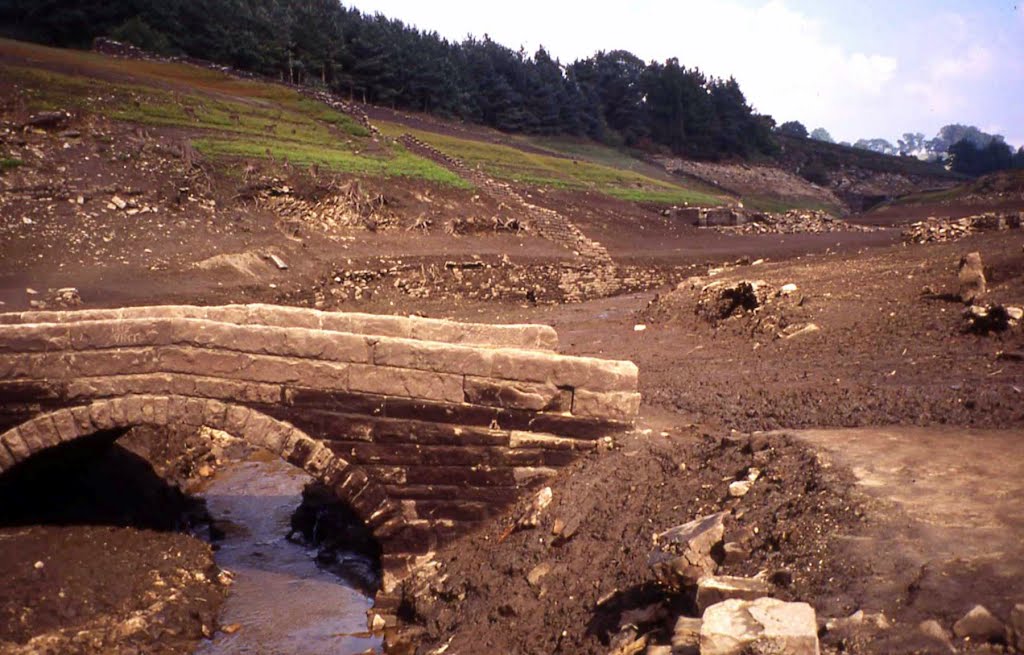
<point>281,602</point>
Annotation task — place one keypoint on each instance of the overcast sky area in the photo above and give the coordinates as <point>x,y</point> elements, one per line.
<point>859,68</point>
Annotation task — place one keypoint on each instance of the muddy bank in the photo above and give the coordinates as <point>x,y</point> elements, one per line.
<point>580,581</point>
<point>489,594</point>
<point>93,558</point>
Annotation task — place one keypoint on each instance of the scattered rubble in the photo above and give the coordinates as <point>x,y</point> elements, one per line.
<point>539,503</point>
<point>48,120</point>
<point>939,230</point>
<point>337,205</point>
<point>932,628</point>
<point>794,221</point>
<point>682,554</point>
<point>984,319</point>
<point>278,262</point>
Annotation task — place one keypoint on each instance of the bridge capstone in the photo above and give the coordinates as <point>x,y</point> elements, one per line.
<point>426,427</point>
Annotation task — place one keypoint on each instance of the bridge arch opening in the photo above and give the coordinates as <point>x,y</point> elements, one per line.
<point>51,446</point>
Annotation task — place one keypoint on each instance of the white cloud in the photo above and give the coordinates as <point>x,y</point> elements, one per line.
<point>976,61</point>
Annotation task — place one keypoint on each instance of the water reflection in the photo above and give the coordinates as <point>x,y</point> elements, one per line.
<point>281,602</point>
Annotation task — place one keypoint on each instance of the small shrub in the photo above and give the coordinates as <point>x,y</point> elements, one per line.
<point>9,164</point>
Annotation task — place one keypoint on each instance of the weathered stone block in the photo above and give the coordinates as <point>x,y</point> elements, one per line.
<point>33,338</point>
<point>32,437</point>
<point>7,459</point>
<point>979,625</point>
<point>132,408</point>
<point>686,636</point>
<point>99,413</point>
<point>712,590</point>
<point>530,474</point>
<point>405,382</point>
<point>120,333</point>
<point>195,410</point>
<point>537,396</point>
<point>523,439</point>
<point>16,445</point>
<point>215,414</point>
<point>563,371</point>
<point>65,424</point>
<point>237,420</point>
<point>83,420</point>
<point>614,405</point>
<point>102,363</point>
<point>762,627</point>
<point>117,412</point>
<point>432,356</point>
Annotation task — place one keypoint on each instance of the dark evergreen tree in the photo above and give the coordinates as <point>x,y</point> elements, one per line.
<point>613,96</point>
<point>793,128</point>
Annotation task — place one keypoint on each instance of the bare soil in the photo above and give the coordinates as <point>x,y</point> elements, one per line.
<point>890,350</point>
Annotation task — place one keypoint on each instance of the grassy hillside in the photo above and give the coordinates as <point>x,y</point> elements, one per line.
<point>589,167</point>
<point>227,118</point>
<point>224,116</point>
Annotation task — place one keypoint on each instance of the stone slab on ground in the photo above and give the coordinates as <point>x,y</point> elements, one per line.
<point>765,626</point>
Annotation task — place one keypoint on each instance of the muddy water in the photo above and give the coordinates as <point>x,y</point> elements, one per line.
<point>280,602</point>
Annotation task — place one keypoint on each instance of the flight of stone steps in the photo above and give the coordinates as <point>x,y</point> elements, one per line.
<point>596,275</point>
<point>345,107</point>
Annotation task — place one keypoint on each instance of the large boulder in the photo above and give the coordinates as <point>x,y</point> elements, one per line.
<point>971,276</point>
<point>683,554</point>
<point>765,626</point>
<point>979,625</point>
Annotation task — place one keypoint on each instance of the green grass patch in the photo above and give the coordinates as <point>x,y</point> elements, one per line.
<point>774,205</point>
<point>507,162</point>
<point>940,195</point>
<point>9,164</point>
<point>279,124</point>
<point>671,197</point>
<point>398,162</point>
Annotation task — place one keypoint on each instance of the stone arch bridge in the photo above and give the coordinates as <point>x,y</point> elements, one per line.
<point>425,427</point>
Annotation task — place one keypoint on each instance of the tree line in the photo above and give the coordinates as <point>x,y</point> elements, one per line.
<point>964,148</point>
<point>613,97</point>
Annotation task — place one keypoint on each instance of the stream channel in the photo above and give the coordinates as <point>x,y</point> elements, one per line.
<point>281,602</point>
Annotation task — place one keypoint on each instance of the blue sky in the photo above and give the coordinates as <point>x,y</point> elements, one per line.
<point>859,68</point>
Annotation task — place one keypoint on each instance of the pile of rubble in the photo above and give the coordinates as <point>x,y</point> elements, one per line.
<point>346,206</point>
<point>940,230</point>
<point>462,225</point>
<point>795,221</point>
<point>992,317</point>
<point>982,317</point>
<point>487,278</point>
<point>737,614</point>
<point>776,311</point>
